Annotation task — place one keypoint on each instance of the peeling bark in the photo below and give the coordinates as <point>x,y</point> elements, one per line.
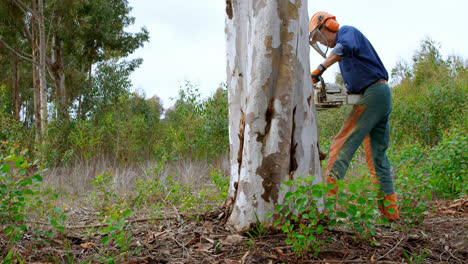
<point>241,139</point>
<point>272,125</point>
<point>292,153</point>
<point>229,9</point>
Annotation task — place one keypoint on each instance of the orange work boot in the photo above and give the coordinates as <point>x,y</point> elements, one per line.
<point>384,209</point>
<point>333,191</point>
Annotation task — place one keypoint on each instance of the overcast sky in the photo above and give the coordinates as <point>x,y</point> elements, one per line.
<point>187,39</point>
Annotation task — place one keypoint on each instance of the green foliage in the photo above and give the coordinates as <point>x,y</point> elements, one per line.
<point>6,102</point>
<point>259,230</point>
<point>330,122</point>
<point>110,82</point>
<point>114,211</point>
<point>412,183</point>
<point>222,184</point>
<point>359,206</point>
<point>432,170</point>
<point>194,127</point>
<point>430,96</point>
<point>299,216</point>
<point>307,213</point>
<point>104,196</point>
<point>415,258</point>
<point>153,190</point>
<point>116,231</point>
<point>449,162</point>
<point>17,189</point>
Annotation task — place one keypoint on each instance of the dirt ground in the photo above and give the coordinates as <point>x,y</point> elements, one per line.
<point>441,238</point>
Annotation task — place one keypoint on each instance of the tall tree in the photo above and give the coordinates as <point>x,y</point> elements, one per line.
<point>42,64</point>
<point>272,126</point>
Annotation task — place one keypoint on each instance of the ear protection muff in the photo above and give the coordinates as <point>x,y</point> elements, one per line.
<point>321,19</point>
<point>332,25</point>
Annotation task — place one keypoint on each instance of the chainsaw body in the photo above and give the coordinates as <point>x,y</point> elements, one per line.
<point>332,95</point>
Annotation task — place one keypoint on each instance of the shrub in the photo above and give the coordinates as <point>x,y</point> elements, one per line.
<point>17,189</point>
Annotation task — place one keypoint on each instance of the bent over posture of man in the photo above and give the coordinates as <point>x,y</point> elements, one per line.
<point>363,73</point>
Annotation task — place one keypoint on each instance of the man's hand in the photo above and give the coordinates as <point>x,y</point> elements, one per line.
<point>317,73</point>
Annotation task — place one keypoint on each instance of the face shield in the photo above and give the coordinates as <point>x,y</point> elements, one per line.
<point>318,41</point>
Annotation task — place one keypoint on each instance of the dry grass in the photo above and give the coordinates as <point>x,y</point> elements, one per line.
<point>75,181</point>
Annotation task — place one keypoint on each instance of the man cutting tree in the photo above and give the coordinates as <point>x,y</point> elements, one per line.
<point>363,73</point>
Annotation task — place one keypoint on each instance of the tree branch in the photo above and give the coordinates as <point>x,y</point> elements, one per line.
<point>27,32</point>
<point>22,6</point>
<point>16,53</point>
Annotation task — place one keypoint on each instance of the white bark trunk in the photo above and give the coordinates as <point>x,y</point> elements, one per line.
<point>272,118</point>
<point>42,65</point>
<point>36,82</point>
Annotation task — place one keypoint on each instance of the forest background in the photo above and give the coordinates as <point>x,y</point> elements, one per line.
<point>68,113</point>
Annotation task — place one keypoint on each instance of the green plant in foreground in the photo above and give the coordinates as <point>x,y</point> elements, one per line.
<point>300,217</point>
<point>305,213</point>
<point>222,184</point>
<point>116,231</point>
<point>414,258</point>
<point>258,231</point>
<point>17,188</point>
<point>103,196</point>
<point>359,206</point>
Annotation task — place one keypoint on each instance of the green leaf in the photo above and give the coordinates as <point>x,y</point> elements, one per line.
<point>361,201</point>
<point>317,194</point>
<point>37,178</point>
<point>5,168</point>
<point>386,203</point>
<point>127,213</point>
<point>279,207</point>
<point>8,230</point>
<point>105,240</point>
<point>341,215</point>
<point>319,229</point>
<point>391,210</point>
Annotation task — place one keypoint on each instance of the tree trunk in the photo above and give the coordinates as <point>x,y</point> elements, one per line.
<point>42,65</point>
<point>36,82</point>
<point>272,119</point>
<point>16,93</point>
<point>58,70</point>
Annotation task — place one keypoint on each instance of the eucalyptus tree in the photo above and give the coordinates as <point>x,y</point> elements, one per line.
<point>273,123</point>
<point>66,38</point>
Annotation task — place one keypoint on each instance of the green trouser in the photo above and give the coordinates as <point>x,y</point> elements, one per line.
<point>368,122</point>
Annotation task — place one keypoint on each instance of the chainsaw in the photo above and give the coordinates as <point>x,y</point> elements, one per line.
<point>332,95</point>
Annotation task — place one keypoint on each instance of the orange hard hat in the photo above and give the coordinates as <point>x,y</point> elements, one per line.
<point>320,19</point>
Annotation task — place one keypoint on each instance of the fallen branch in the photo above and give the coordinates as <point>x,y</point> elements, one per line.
<point>392,248</point>
<point>130,222</point>
<point>446,220</point>
<point>342,261</point>
<point>105,225</point>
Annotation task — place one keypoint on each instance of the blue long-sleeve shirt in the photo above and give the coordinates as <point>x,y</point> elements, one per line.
<point>360,65</point>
